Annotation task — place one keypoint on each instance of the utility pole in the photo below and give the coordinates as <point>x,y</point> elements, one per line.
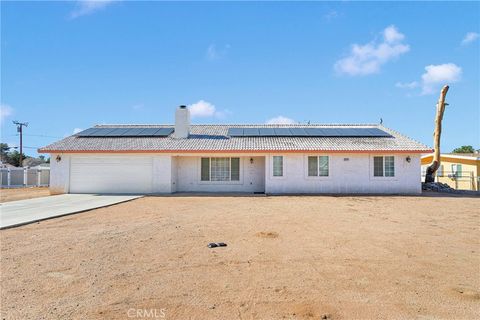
<point>20,126</point>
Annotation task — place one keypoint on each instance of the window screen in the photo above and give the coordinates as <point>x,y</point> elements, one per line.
<point>277,166</point>
<point>390,166</point>
<point>459,170</point>
<point>312,166</point>
<point>205,169</point>
<point>384,166</point>
<point>323,166</point>
<point>235,167</point>
<point>378,166</point>
<point>220,169</point>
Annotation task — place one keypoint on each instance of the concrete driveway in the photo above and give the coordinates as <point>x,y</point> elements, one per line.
<point>21,212</point>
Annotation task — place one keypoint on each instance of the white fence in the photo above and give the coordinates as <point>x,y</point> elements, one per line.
<point>25,177</point>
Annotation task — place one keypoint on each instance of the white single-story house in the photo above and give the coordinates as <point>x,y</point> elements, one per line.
<point>272,159</point>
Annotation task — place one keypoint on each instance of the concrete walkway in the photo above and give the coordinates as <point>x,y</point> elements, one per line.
<point>21,212</point>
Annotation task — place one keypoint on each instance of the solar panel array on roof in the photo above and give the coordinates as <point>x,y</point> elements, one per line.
<point>307,132</point>
<point>126,132</point>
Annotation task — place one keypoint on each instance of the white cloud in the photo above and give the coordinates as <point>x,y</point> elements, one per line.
<point>215,53</point>
<point>437,75</point>
<point>469,38</point>
<point>391,35</point>
<point>77,130</point>
<point>85,7</point>
<point>5,111</point>
<point>434,77</point>
<point>407,85</point>
<point>204,109</point>
<point>280,120</point>
<point>368,58</point>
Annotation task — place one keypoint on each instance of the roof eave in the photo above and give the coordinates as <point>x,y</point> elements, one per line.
<point>238,151</point>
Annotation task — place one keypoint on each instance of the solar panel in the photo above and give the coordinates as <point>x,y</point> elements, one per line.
<point>267,132</point>
<point>102,132</point>
<point>314,132</point>
<point>126,132</point>
<point>163,132</point>
<point>307,132</point>
<point>132,132</point>
<point>235,132</point>
<point>282,132</point>
<point>86,133</point>
<point>378,133</point>
<point>251,132</point>
<point>116,132</point>
<point>298,132</point>
<point>148,132</point>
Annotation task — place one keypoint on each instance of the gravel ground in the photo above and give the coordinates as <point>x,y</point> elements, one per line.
<point>287,258</point>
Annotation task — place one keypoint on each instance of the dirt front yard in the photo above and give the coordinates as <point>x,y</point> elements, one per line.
<point>287,258</point>
<point>15,194</point>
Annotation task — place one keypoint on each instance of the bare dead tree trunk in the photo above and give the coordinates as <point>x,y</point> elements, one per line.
<point>433,167</point>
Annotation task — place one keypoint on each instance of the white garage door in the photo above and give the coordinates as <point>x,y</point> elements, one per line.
<point>111,174</point>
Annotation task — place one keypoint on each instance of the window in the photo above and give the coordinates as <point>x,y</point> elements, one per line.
<point>384,166</point>
<point>440,171</point>
<point>205,169</point>
<point>220,169</point>
<point>457,170</point>
<point>389,166</point>
<point>318,166</point>
<point>278,166</point>
<point>378,166</point>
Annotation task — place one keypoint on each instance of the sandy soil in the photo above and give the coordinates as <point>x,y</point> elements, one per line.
<point>287,258</point>
<point>7,195</point>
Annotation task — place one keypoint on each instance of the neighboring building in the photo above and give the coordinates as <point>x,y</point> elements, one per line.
<point>458,170</point>
<point>273,159</point>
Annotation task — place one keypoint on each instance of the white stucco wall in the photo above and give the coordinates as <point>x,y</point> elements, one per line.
<point>251,176</point>
<point>59,173</point>
<point>180,172</point>
<point>354,175</point>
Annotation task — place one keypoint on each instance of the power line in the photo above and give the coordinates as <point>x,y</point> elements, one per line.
<point>37,135</point>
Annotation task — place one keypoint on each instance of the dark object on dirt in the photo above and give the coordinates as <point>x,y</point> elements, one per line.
<point>445,188</point>
<point>218,244</point>
<point>437,186</point>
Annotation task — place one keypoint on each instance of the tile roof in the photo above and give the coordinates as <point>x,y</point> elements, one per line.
<point>214,138</point>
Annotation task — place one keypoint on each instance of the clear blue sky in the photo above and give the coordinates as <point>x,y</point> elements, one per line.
<point>70,65</point>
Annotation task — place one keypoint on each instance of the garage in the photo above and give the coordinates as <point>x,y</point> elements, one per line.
<point>111,174</point>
